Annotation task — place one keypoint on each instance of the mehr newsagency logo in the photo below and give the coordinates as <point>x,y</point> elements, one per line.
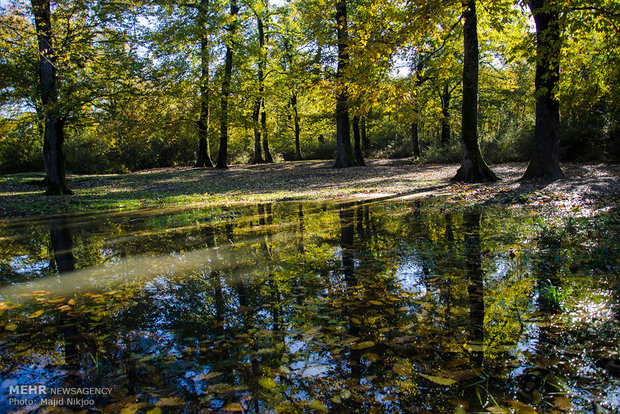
<point>26,395</point>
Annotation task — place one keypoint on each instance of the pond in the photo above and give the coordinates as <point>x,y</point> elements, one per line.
<point>389,306</point>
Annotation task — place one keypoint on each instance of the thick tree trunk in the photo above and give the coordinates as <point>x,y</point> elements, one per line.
<point>222,160</point>
<point>415,139</point>
<point>473,167</point>
<point>296,127</point>
<point>359,158</point>
<point>203,158</point>
<point>53,143</point>
<point>446,96</point>
<point>258,152</point>
<point>344,154</point>
<point>545,157</point>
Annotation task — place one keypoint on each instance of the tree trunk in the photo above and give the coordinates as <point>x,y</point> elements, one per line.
<point>359,158</point>
<point>415,140</point>
<point>545,157</point>
<point>296,127</point>
<point>446,96</point>
<point>222,160</point>
<point>204,152</point>
<point>344,154</point>
<point>53,143</point>
<point>263,124</point>
<point>365,141</point>
<point>261,88</point>
<point>258,153</point>
<point>473,167</point>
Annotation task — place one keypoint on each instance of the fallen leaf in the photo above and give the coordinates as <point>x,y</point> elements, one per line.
<point>439,380</point>
<point>168,402</point>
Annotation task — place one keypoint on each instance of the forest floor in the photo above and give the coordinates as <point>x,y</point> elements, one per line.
<point>585,185</point>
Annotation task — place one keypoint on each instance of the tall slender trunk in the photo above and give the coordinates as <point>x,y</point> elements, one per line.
<point>344,153</point>
<point>359,158</point>
<point>446,96</point>
<point>204,152</point>
<point>545,157</point>
<point>415,139</point>
<point>364,136</point>
<point>473,167</point>
<point>258,152</point>
<point>222,160</point>
<point>296,127</point>
<point>261,88</point>
<point>53,143</point>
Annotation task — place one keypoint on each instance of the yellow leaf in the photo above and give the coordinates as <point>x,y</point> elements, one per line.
<point>10,327</point>
<point>36,314</point>
<point>167,402</point>
<point>365,345</point>
<point>439,380</point>
<point>232,407</point>
<point>521,408</point>
<point>131,408</point>
<point>317,405</point>
<point>71,302</point>
<point>155,410</point>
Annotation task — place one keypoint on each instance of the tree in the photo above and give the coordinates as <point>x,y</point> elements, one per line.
<point>203,158</point>
<point>344,155</point>
<point>473,167</point>
<point>222,160</point>
<point>545,157</point>
<point>53,144</point>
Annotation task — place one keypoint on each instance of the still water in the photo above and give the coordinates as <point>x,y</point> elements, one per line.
<point>377,306</point>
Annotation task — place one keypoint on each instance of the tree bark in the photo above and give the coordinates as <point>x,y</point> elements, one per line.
<point>53,148</point>
<point>344,153</point>
<point>261,88</point>
<point>415,139</point>
<point>296,126</point>
<point>359,158</point>
<point>446,96</point>
<point>258,152</point>
<point>204,152</point>
<point>545,157</point>
<point>473,167</point>
<point>364,136</point>
<point>222,160</point>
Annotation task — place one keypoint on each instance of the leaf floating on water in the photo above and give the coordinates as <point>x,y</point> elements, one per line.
<point>439,380</point>
<point>372,357</point>
<point>131,408</point>
<point>364,345</point>
<point>345,394</point>
<point>232,407</point>
<point>375,302</point>
<point>562,403</point>
<point>11,327</point>
<point>71,302</point>
<point>169,402</point>
<point>155,410</point>
<point>498,410</point>
<point>36,314</point>
<point>400,369</point>
<point>206,376</point>
<point>356,321</point>
<point>317,405</point>
<point>522,408</point>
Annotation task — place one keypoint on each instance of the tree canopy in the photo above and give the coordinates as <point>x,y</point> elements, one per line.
<point>146,84</point>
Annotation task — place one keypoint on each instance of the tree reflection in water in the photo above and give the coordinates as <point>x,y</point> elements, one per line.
<point>353,307</point>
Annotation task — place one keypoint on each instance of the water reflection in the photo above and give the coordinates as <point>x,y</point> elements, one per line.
<point>351,307</point>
